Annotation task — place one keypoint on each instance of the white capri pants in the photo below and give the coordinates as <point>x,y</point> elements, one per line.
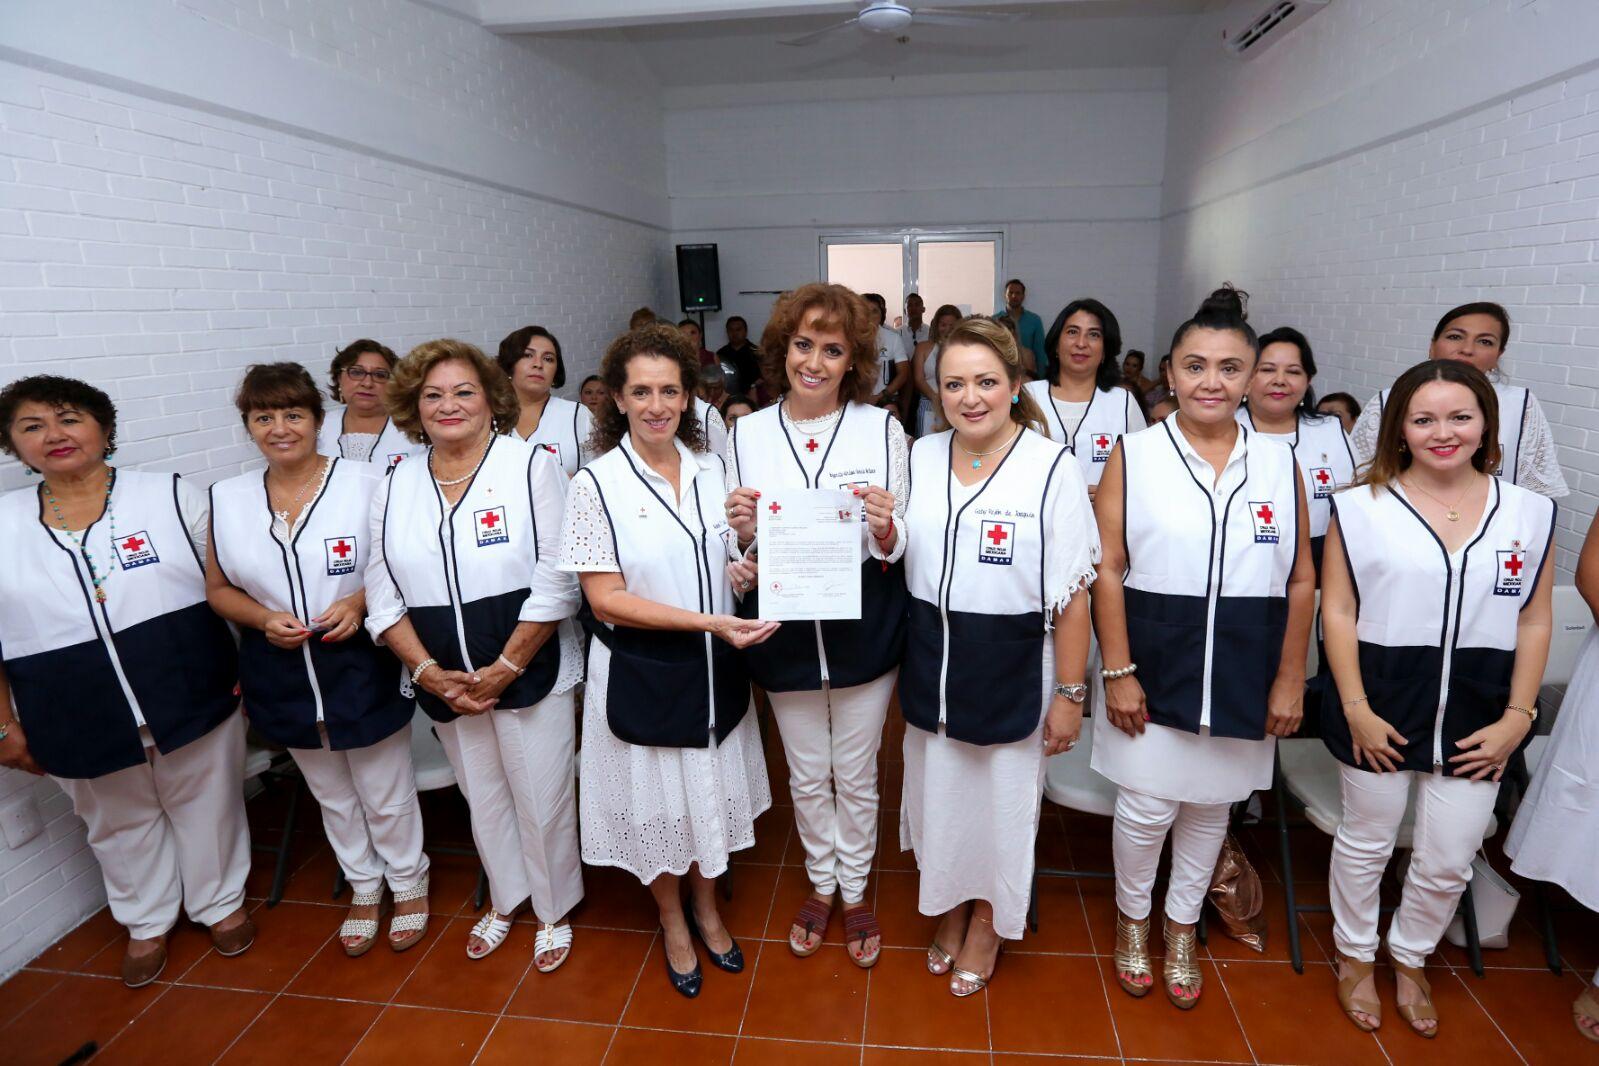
<point>831,739</point>
<point>369,810</point>
<point>1138,833</point>
<point>171,832</point>
<point>1451,815</point>
<point>517,770</point>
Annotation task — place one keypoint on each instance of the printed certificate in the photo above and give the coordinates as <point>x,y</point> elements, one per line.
<point>809,555</point>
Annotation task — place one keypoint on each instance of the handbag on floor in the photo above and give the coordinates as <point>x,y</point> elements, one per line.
<point>1495,901</point>
<point>1236,894</point>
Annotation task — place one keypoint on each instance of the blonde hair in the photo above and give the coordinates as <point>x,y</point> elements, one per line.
<point>405,390</point>
<point>986,333</point>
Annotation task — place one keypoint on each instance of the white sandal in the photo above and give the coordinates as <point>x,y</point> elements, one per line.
<point>551,938</point>
<point>364,928</point>
<point>414,925</point>
<point>492,930</point>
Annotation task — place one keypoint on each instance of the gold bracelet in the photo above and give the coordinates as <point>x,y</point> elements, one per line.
<point>1532,715</point>
<point>1357,699</point>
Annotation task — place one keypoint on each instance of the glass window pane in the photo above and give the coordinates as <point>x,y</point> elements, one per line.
<point>957,272</point>
<point>878,268</point>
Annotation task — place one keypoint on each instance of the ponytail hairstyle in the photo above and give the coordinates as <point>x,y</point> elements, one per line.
<point>1224,310</point>
<point>1290,335</point>
<point>1109,374</point>
<point>1392,456</point>
<point>986,333</point>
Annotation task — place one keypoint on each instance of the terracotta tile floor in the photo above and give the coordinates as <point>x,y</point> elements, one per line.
<point>295,1000</point>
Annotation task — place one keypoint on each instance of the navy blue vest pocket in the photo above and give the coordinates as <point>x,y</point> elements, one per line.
<point>1166,635</point>
<point>183,668</point>
<point>488,623</point>
<point>659,692</point>
<point>994,688</point>
<point>278,699</point>
<point>77,720</point>
<point>1248,645</point>
<point>1479,691</point>
<point>1402,689</point>
<point>919,677</point>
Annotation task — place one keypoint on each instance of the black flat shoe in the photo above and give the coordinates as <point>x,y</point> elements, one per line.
<point>687,984</point>
<point>729,961</point>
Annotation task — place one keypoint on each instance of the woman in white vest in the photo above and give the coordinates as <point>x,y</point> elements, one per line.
<point>1436,606</point>
<point>1001,550</point>
<point>1202,609</point>
<point>1478,333</point>
<point>461,584</point>
<point>829,682</point>
<point>1084,405</point>
<point>673,775</point>
<point>120,677</point>
<point>1556,833</point>
<point>924,369</point>
<point>360,428</point>
<point>531,359</point>
<point>287,561</point>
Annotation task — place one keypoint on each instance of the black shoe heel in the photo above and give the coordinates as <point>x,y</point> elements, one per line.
<point>686,984</point>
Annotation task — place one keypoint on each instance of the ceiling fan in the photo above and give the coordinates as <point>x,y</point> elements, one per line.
<point>892,17</point>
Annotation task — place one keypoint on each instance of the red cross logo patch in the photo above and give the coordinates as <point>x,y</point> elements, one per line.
<point>1100,443</point>
<point>554,449</point>
<point>1322,482</point>
<point>135,549</point>
<point>1511,574</point>
<point>395,458</point>
<point>489,525</point>
<point>996,542</point>
<point>1263,515</point>
<point>341,555</point>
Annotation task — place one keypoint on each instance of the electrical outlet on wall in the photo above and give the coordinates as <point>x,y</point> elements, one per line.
<point>21,821</point>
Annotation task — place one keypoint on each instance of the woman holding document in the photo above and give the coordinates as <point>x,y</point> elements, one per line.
<point>829,681</point>
<point>1002,549</point>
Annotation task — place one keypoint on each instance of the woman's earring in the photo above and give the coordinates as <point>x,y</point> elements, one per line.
<point>1016,399</point>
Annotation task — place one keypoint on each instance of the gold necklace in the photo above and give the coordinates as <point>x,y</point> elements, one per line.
<point>978,457</point>
<point>1453,510</point>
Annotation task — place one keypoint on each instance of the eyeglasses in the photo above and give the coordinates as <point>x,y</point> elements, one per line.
<point>361,373</point>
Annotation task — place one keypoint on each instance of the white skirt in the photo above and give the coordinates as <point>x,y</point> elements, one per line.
<point>1556,833</point>
<point>1171,764</point>
<point>654,811</point>
<point>970,812</point>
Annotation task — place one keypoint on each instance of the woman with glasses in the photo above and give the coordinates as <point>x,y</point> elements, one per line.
<point>360,428</point>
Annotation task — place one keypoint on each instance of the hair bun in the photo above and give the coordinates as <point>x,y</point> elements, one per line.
<point>1226,300</point>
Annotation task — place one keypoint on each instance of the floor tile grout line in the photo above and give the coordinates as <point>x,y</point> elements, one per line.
<point>631,992</point>
<point>1227,994</point>
<point>1093,943</point>
<point>1484,1008</point>
<point>760,948</point>
<point>278,994</point>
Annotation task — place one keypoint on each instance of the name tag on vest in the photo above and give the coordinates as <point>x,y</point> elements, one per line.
<point>341,555</point>
<point>1264,516</point>
<point>997,543</point>
<point>490,526</point>
<point>136,550</point>
<point>1509,580</point>
<point>1100,444</point>
<point>1322,482</point>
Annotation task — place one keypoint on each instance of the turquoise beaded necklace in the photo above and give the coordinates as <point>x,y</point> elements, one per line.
<point>95,575</point>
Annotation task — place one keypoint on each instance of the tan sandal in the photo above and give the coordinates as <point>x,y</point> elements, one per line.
<point>1132,955</point>
<point>1586,1008</point>
<point>1181,971</point>
<point>364,931</point>
<point>963,983</point>
<point>1357,972</point>
<point>1416,1012</point>
<point>413,924</point>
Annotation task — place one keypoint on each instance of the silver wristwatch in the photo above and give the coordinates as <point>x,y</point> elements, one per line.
<point>1076,693</point>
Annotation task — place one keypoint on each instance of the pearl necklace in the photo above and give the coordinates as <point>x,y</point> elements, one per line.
<point>95,576</point>
<point>469,475</point>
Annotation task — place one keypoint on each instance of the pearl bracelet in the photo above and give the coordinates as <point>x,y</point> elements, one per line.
<point>1112,675</point>
<point>421,667</point>
<point>509,665</point>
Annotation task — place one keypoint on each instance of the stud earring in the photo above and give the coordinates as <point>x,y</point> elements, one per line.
<point>1016,399</point>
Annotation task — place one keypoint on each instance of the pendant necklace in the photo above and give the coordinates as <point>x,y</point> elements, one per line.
<point>1452,512</point>
<point>283,516</point>
<point>95,575</point>
<point>978,457</point>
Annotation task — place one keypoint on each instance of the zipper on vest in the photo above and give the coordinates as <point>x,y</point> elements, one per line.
<point>305,652</point>
<point>451,576</point>
<point>97,615</point>
<point>1451,632</point>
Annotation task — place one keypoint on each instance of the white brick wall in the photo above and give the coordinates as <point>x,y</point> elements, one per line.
<point>157,246</point>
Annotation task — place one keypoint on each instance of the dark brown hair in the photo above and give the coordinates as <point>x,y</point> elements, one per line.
<point>409,374</point>
<point>662,341</point>
<point>644,316</point>
<point>1481,307</point>
<point>514,348</point>
<point>58,394</point>
<point>986,333</point>
<point>1392,457</point>
<point>345,358</point>
<point>277,387</point>
<point>837,308</point>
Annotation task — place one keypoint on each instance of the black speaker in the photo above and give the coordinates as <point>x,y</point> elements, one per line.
<point>699,279</point>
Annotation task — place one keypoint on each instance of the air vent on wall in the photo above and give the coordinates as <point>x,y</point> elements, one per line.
<point>1269,25</point>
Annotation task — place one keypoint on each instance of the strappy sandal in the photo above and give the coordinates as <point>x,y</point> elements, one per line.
<point>860,923</point>
<point>1181,970</point>
<point>813,917</point>
<point>1132,955</point>
<point>1357,972</point>
<point>1416,1012</point>
<point>550,939</point>
<point>415,924</point>
<point>973,982</point>
<point>366,929</point>
<point>939,961</point>
<point>492,930</point>
<point>1586,1008</point>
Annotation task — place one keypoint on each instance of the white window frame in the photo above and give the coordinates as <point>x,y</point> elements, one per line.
<point>909,239</point>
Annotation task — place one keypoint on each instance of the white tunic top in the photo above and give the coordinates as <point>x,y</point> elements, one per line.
<point>385,448</point>
<point>563,431</point>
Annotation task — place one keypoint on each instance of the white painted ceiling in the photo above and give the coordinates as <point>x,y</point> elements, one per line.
<point>690,43</point>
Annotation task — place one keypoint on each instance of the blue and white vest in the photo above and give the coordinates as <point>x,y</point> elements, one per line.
<point>1108,418</point>
<point>392,446</point>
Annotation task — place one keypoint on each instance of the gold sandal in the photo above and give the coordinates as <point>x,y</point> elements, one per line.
<point>1182,970</point>
<point>1586,1008</point>
<point>1132,955</point>
<point>1416,1012</point>
<point>963,983</point>
<point>1357,972</point>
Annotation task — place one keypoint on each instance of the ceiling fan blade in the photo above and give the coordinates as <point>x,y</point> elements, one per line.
<point>812,38</point>
<point>937,16</point>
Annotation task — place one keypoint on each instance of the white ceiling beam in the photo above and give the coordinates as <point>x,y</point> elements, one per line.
<point>555,16</point>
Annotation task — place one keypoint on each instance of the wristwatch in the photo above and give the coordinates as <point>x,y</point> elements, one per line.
<point>1076,693</point>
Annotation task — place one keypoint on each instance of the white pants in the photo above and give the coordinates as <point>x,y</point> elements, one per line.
<point>831,738</point>
<point>171,832</point>
<point>369,810</point>
<point>1451,815</point>
<point>1138,833</point>
<point>516,768</point>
